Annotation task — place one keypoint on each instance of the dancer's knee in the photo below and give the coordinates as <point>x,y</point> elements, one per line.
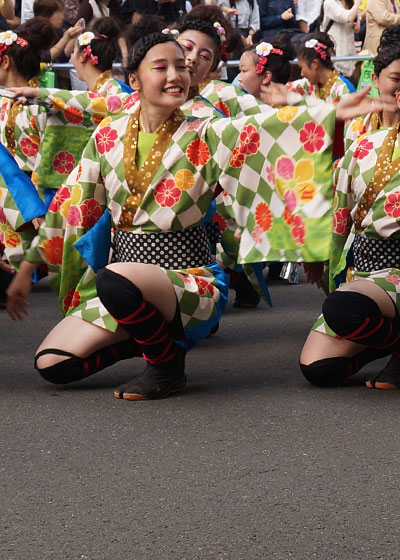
<point>345,312</point>
<point>58,367</point>
<point>330,372</point>
<point>110,284</point>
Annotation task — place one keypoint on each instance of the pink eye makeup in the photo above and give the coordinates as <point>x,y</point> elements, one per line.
<point>157,66</point>
<point>186,45</point>
<point>395,76</point>
<point>206,55</point>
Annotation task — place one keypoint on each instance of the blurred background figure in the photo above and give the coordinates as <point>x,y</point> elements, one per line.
<point>380,14</point>
<point>244,16</point>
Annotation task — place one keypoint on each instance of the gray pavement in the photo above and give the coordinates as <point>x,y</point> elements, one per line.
<point>250,462</point>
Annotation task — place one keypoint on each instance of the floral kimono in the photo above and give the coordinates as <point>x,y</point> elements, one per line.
<point>367,204</point>
<point>47,146</point>
<point>257,160</point>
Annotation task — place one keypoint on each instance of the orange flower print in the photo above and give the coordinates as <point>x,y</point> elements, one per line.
<point>32,122</point>
<point>91,212</point>
<point>249,140</point>
<point>263,216</point>
<point>105,139</point>
<point>35,178</point>
<point>298,230</point>
<point>63,163</point>
<point>184,179</point>
<point>312,137</point>
<point>197,152</point>
<point>72,299</point>
<point>61,196</point>
<point>341,221</point>
<point>237,159</point>
<point>392,205</point>
<point>287,113</point>
<point>73,115</point>
<point>167,193</point>
<point>28,147</point>
<point>53,250</point>
<point>288,216</point>
<point>357,125</point>
<point>220,220</point>
<point>8,237</point>
<point>204,286</point>
<point>223,107</point>
<point>294,181</point>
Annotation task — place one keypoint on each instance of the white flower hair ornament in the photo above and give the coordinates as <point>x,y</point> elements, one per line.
<point>173,32</point>
<point>311,44</point>
<point>7,38</point>
<point>220,30</point>
<point>264,49</point>
<point>85,38</point>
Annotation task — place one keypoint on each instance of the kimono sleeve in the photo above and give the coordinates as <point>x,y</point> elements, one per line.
<point>277,169</point>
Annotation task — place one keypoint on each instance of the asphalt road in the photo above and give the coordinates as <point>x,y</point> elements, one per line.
<point>250,462</point>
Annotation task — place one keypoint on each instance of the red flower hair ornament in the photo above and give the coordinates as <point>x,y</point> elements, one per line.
<point>263,50</point>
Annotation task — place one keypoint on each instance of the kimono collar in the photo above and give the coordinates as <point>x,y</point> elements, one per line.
<point>322,92</point>
<point>101,80</point>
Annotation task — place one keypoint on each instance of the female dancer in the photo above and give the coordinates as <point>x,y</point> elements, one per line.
<point>360,320</point>
<point>153,169</point>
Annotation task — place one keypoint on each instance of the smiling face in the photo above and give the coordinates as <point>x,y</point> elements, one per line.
<point>389,79</point>
<point>310,71</point>
<point>200,54</point>
<point>162,79</point>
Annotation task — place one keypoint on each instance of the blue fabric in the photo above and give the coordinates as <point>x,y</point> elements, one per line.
<point>340,278</point>
<point>48,196</point>
<point>349,85</point>
<point>210,212</point>
<point>95,245</point>
<point>21,187</point>
<point>124,87</point>
<point>212,105</point>
<point>271,12</point>
<point>194,335</point>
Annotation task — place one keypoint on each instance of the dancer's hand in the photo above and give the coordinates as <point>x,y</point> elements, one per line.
<point>37,222</point>
<point>7,267</point>
<point>314,273</point>
<point>24,93</point>
<point>358,104</point>
<point>18,292</point>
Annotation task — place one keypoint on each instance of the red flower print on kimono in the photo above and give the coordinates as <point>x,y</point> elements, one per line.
<point>114,103</point>
<point>91,212</point>
<point>341,221</point>
<point>298,230</point>
<point>312,137</point>
<point>197,152</point>
<point>32,122</point>
<point>3,111</point>
<point>204,286</point>
<point>220,221</point>
<point>249,140</point>
<point>237,159</point>
<point>72,299</point>
<point>73,115</point>
<point>223,107</point>
<point>63,163</point>
<point>167,193</point>
<point>105,139</point>
<point>28,147</point>
<point>61,196</point>
<point>53,250</point>
<point>131,100</point>
<point>363,148</point>
<point>392,205</point>
<point>263,216</point>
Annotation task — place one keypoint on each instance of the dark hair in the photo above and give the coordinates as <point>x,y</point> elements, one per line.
<point>207,28</point>
<point>390,36</point>
<point>146,25</point>
<point>40,35</point>
<point>143,45</point>
<point>214,14</point>
<point>278,64</point>
<point>104,46</point>
<point>46,8</point>
<point>386,56</point>
<point>310,54</point>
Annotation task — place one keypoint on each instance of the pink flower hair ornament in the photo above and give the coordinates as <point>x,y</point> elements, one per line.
<point>7,38</point>
<point>220,30</point>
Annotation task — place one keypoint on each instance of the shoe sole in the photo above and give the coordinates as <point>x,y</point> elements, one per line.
<point>138,397</point>
<point>381,385</point>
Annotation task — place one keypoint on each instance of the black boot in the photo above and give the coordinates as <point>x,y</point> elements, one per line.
<point>5,281</point>
<point>246,296</point>
<point>388,377</point>
<point>157,381</point>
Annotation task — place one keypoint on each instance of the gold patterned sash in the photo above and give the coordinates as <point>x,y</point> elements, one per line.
<point>323,92</point>
<point>101,80</point>
<point>139,179</point>
<point>384,170</point>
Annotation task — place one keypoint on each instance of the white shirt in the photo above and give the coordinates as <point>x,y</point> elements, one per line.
<point>246,17</point>
<point>341,32</point>
<point>308,10</point>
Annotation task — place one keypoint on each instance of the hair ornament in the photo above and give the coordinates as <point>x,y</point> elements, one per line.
<point>220,30</point>
<point>87,51</point>
<point>263,50</point>
<point>320,48</point>
<point>7,38</point>
<point>173,32</point>
<point>86,38</point>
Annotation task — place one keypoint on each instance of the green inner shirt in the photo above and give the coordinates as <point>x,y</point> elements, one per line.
<point>396,153</point>
<point>145,143</point>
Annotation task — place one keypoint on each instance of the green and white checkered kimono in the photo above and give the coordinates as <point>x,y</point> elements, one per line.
<point>353,175</point>
<point>289,217</point>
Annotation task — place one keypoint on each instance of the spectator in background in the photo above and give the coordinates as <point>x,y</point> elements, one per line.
<point>276,16</point>
<point>94,9</point>
<point>340,21</point>
<point>307,12</point>
<point>380,14</point>
<point>244,16</point>
<point>169,10</point>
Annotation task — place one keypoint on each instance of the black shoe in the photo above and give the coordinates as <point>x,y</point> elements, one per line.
<point>388,378</point>
<point>213,330</point>
<point>5,281</point>
<point>246,296</point>
<point>156,382</point>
